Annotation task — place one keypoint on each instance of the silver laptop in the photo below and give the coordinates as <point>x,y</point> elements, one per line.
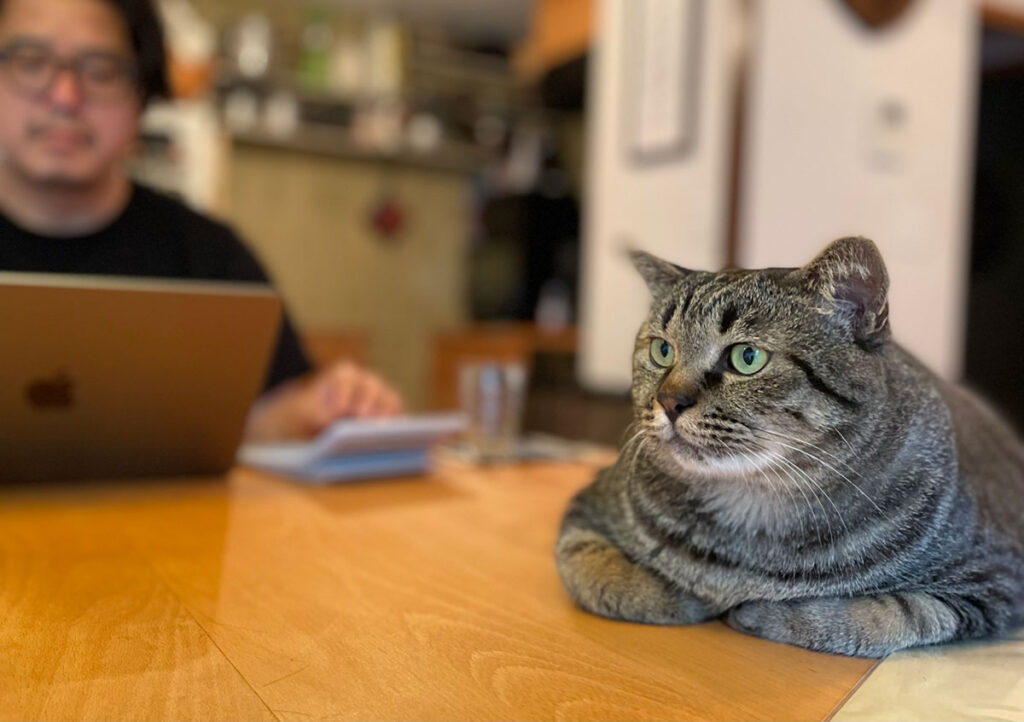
<point>117,377</point>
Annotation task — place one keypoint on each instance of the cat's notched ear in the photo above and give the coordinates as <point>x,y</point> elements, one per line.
<point>851,276</point>
<point>659,274</point>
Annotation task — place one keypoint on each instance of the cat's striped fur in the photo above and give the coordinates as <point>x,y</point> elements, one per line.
<point>842,498</point>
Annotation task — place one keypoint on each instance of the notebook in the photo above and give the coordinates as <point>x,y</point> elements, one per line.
<point>353,449</point>
<point>122,377</point>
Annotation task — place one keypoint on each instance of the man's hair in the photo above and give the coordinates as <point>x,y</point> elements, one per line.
<point>147,37</point>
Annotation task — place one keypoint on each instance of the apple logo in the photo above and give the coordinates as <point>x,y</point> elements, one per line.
<point>55,392</point>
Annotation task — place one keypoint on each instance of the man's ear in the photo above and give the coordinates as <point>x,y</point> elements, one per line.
<point>659,274</point>
<point>851,277</point>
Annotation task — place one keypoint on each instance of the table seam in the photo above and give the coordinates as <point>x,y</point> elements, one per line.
<point>191,614</point>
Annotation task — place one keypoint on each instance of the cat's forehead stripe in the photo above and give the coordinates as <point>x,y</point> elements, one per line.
<point>674,310</point>
<point>710,295</point>
<point>703,295</point>
<point>712,298</point>
<point>728,319</point>
<point>668,314</point>
<point>686,303</point>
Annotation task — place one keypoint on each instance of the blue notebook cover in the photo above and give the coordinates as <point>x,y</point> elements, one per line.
<point>358,449</point>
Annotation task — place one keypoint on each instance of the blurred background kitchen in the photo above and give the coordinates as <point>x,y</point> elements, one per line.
<point>436,181</point>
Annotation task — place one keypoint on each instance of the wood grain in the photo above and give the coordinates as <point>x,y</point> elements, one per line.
<point>430,598</point>
<point>89,629</point>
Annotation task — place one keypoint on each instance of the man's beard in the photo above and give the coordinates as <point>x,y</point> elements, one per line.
<point>57,178</point>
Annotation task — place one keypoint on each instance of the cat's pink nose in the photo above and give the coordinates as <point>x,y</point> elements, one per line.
<point>675,404</point>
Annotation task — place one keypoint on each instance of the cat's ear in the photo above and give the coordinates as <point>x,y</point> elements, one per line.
<point>659,274</point>
<point>850,275</point>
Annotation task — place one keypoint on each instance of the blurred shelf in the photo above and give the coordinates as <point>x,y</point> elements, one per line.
<point>333,141</point>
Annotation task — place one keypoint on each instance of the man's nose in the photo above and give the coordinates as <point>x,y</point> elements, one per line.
<point>66,90</point>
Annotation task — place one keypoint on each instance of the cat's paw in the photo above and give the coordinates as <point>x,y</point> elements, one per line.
<point>601,580</point>
<point>767,620</point>
<point>641,597</point>
<point>821,625</point>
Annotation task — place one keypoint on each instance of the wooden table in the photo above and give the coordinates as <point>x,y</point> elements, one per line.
<point>433,598</point>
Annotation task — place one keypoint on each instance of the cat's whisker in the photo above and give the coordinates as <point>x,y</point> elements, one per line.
<point>758,466</point>
<point>754,463</point>
<point>801,474</point>
<point>800,481</point>
<point>810,444</point>
<point>772,485</point>
<point>767,461</point>
<point>840,435</point>
<point>641,440</point>
<point>828,466</point>
<point>798,485</point>
<point>639,432</point>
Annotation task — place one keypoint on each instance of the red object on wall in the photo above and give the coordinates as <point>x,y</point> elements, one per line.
<point>388,217</point>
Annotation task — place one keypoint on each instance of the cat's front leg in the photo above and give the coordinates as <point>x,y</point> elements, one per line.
<point>859,626</point>
<point>601,580</point>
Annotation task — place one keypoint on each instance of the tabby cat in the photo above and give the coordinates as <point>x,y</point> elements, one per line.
<point>794,470</point>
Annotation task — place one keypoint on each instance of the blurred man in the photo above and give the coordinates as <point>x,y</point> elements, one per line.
<point>74,78</point>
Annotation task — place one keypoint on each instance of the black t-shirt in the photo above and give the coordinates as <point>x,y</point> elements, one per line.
<point>155,236</point>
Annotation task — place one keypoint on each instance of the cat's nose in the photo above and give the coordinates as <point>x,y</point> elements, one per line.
<point>676,403</point>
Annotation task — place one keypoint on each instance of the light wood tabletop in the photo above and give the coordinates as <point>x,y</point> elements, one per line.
<point>430,598</point>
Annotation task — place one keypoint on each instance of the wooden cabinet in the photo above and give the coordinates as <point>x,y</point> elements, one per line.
<point>495,341</point>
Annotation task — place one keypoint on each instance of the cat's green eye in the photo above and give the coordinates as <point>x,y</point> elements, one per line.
<point>746,359</point>
<point>662,352</point>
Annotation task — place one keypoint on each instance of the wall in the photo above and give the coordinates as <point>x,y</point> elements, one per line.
<point>820,162</point>
<point>307,217</point>
<point>675,208</point>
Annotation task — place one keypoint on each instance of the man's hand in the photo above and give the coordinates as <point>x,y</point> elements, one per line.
<point>345,390</point>
<point>304,407</point>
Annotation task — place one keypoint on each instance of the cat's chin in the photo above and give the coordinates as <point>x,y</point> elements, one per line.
<point>694,460</point>
<point>691,458</point>
<point>730,468</point>
<point>718,468</point>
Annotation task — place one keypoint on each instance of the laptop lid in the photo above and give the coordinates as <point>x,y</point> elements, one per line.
<point>124,377</point>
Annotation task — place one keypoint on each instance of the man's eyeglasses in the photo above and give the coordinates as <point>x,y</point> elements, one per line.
<point>102,77</point>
